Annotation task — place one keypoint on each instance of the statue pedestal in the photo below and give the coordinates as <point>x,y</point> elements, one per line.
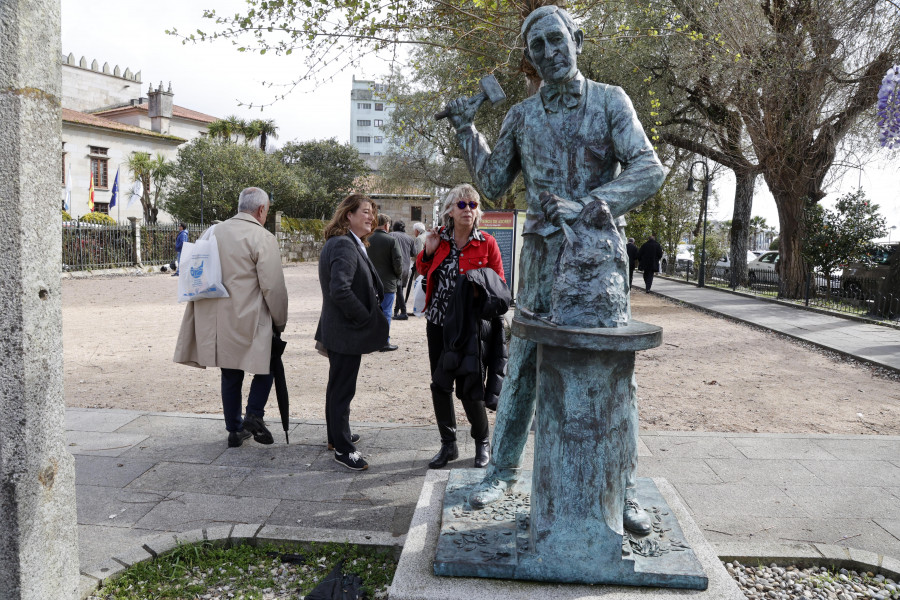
<point>415,577</point>
<point>565,525</point>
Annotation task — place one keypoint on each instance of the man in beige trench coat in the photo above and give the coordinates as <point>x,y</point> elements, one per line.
<point>235,333</point>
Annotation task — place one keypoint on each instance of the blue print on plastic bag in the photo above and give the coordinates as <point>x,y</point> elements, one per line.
<point>196,273</point>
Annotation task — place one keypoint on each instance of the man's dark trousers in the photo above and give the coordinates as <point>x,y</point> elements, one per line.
<point>232,381</point>
<point>342,372</point>
<point>648,278</point>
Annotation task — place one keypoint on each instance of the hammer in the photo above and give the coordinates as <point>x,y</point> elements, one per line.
<point>490,90</point>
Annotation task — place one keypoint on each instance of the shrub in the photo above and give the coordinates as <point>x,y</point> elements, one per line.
<point>99,218</point>
<point>66,216</point>
<point>314,227</point>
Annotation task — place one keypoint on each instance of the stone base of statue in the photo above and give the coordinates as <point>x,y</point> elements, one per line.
<point>567,524</point>
<point>415,578</point>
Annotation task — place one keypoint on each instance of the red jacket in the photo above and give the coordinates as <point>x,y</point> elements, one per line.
<point>474,255</point>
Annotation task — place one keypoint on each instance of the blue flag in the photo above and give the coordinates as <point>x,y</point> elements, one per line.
<point>115,191</point>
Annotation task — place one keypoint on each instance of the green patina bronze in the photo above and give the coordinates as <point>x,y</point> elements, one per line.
<point>585,517</point>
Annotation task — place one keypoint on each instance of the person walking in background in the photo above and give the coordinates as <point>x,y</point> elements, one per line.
<point>235,333</point>
<point>352,322</point>
<point>450,252</point>
<point>418,246</point>
<point>179,244</point>
<point>632,250</point>
<point>406,241</point>
<point>385,253</point>
<point>649,256</point>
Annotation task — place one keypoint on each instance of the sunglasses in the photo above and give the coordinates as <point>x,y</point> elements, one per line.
<point>461,205</point>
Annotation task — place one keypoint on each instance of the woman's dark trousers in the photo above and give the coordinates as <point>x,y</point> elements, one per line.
<point>342,372</point>
<point>443,399</point>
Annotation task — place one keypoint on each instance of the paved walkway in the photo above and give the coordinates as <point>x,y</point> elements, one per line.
<point>142,477</point>
<point>873,343</point>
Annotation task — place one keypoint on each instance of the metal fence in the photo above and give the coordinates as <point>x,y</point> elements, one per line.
<point>158,242</point>
<point>87,246</point>
<point>839,293</point>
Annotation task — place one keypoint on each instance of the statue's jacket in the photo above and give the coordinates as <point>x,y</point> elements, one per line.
<point>599,151</point>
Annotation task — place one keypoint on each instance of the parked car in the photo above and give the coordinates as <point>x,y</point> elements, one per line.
<point>725,262</point>
<point>763,268</point>
<point>684,257</point>
<point>868,277</point>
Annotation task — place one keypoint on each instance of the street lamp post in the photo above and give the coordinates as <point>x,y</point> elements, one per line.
<point>701,280</point>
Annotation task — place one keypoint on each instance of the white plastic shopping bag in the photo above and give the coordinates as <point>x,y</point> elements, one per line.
<point>200,273</point>
<point>419,295</point>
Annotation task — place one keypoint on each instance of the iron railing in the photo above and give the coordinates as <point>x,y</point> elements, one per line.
<point>840,293</point>
<point>158,242</point>
<point>88,246</point>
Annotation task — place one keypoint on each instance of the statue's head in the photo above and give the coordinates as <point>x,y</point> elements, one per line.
<point>552,43</point>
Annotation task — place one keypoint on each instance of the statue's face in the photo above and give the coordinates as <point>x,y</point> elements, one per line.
<point>552,50</point>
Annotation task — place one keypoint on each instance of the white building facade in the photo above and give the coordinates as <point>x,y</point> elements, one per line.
<point>105,119</point>
<point>370,111</point>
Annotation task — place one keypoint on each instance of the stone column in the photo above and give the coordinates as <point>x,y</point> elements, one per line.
<point>38,535</point>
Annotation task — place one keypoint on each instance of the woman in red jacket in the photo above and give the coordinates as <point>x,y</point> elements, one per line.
<point>450,251</point>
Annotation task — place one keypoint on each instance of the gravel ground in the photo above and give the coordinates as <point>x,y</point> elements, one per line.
<point>816,583</point>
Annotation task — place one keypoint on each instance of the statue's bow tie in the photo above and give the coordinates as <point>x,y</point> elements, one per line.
<point>568,93</point>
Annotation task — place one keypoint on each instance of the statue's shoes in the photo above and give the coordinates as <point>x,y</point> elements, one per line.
<point>635,519</point>
<point>488,491</point>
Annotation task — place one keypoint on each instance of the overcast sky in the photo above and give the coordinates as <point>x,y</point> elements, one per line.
<point>214,77</point>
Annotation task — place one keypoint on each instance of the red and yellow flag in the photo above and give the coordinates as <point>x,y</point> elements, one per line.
<point>91,194</point>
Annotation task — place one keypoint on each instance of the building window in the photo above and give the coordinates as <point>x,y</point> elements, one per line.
<point>363,153</point>
<point>380,87</point>
<point>363,139</point>
<point>379,123</point>
<point>99,166</point>
<point>378,154</point>
<point>101,207</point>
<point>363,105</point>
<point>363,123</point>
<point>379,106</point>
<point>379,139</point>
<point>415,213</point>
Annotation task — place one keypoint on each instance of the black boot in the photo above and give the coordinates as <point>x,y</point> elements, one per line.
<point>446,422</point>
<point>448,452</point>
<point>482,453</point>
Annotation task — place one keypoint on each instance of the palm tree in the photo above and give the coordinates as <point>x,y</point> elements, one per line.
<point>236,126</point>
<point>219,129</point>
<point>264,129</point>
<point>150,171</point>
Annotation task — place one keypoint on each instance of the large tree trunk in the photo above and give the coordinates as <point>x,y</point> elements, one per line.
<point>791,266</point>
<point>740,226</point>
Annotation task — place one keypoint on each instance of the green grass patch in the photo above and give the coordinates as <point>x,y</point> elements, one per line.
<point>250,572</point>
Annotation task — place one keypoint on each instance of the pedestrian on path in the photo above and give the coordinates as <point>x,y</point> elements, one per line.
<point>235,333</point>
<point>649,256</point>
<point>352,322</point>
<point>407,244</point>
<point>179,244</point>
<point>450,252</point>
<point>632,250</point>
<point>386,255</point>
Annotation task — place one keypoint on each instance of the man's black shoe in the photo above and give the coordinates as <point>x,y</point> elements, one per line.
<point>353,460</point>
<point>236,438</point>
<point>354,437</point>
<point>401,317</point>
<point>388,348</point>
<point>257,427</point>
<point>448,452</point>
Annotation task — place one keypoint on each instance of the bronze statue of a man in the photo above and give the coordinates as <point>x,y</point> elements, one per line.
<point>577,142</point>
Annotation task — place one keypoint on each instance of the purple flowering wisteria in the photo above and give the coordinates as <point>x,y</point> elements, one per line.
<point>889,108</point>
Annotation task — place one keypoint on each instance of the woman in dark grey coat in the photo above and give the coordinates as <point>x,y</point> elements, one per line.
<point>352,323</point>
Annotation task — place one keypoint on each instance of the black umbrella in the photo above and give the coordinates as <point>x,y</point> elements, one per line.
<point>277,368</point>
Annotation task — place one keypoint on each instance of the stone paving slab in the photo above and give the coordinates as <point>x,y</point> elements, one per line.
<point>745,491</point>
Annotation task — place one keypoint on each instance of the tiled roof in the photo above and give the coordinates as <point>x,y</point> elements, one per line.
<point>73,116</point>
<point>177,111</point>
